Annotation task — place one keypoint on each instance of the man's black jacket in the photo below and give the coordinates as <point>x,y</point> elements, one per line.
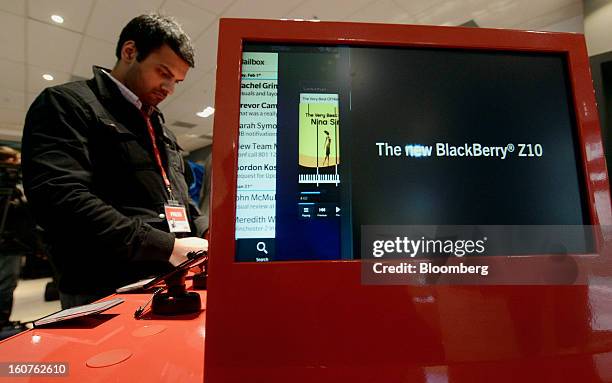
<point>91,178</point>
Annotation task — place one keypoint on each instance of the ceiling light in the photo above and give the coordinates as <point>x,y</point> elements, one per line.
<point>57,19</point>
<point>47,77</point>
<point>207,112</point>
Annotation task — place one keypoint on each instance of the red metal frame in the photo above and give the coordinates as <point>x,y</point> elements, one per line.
<point>306,321</point>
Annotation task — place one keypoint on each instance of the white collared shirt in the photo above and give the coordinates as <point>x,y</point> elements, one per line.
<point>126,92</point>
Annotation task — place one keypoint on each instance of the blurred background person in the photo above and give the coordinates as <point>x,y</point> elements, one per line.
<point>11,248</point>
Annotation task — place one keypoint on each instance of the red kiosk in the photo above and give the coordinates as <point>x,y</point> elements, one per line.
<point>313,320</point>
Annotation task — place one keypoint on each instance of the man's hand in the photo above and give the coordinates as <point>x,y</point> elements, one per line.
<point>182,246</point>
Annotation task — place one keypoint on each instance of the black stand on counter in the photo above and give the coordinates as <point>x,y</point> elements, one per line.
<point>177,300</point>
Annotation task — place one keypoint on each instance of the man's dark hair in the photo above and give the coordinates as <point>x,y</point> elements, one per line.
<point>151,32</point>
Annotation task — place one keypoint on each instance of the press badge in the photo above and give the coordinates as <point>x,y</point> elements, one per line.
<point>176,216</point>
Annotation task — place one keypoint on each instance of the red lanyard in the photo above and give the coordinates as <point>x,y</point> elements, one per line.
<point>156,152</point>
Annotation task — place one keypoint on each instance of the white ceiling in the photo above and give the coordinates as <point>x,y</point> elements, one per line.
<point>31,44</point>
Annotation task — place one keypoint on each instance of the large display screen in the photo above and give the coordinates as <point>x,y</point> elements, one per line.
<point>333,138</point>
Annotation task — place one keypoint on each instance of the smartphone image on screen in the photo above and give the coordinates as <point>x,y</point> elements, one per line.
<point>318,153</point>
<point>319,135</point>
